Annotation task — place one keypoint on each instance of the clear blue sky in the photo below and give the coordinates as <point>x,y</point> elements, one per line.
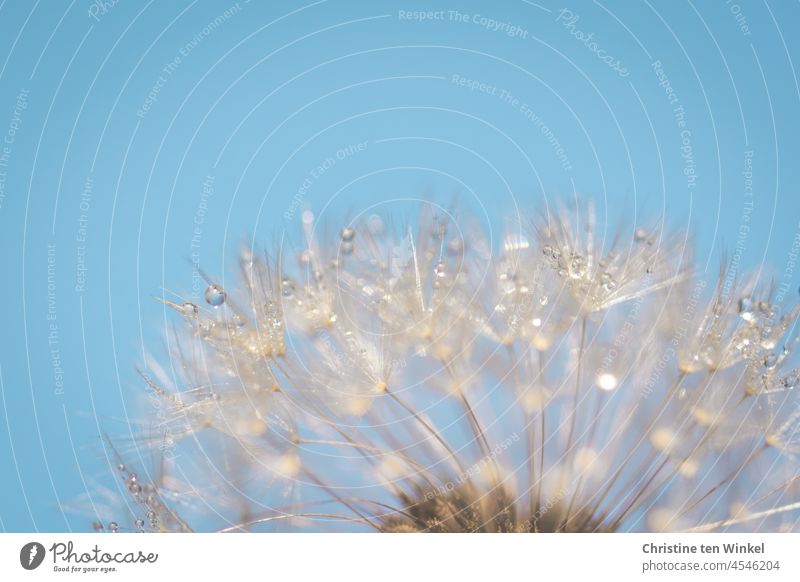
<point>119,120</point>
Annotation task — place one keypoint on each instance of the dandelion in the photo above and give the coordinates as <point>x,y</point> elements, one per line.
<point>424,379</point>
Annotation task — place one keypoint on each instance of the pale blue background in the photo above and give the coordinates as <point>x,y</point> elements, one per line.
<point>278,87</point>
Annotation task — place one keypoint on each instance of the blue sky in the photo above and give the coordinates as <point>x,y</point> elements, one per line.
<point>137,137</point>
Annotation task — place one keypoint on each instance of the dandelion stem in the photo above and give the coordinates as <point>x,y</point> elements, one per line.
<point>544,441</point>
<point>575,404</point>
<point>244,525</point>
<point>649,425</point>
<point>733,521</point>
<point>426,425</point>
<point>704,439</point>
<point>341,499</point>
<point>476,426</point>
<point>576,396</point>
<point>642,490</point>
<point>422,470</point>
<point>730,476</point>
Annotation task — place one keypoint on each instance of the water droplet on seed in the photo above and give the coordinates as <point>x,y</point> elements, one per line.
<point>215,295</point>
<point>189,308</point>
<point>746,308</point>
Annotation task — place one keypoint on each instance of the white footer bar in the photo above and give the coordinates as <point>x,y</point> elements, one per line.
<point>406,557</point>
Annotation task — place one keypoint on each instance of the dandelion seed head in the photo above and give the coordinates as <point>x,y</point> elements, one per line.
<point>408,378</point>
